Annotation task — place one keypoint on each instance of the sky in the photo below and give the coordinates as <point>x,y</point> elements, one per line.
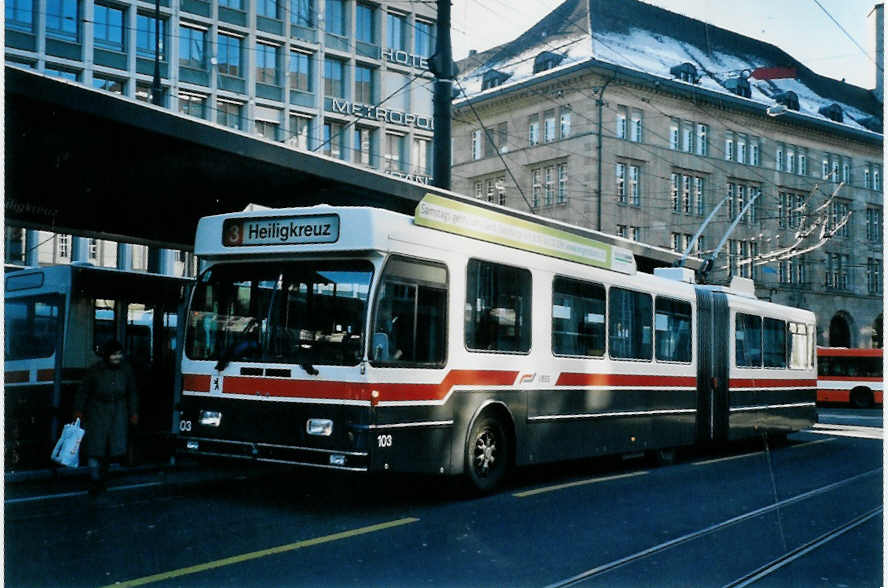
<point>800,27</point>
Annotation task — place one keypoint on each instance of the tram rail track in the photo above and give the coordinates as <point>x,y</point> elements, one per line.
<point>605,568</point>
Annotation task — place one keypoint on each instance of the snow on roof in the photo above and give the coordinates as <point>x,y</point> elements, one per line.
<point>651,40</point>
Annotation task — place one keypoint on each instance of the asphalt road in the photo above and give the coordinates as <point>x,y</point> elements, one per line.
<point>804,513</point>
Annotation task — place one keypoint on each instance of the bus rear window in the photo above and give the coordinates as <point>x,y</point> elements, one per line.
<point>31,327</point>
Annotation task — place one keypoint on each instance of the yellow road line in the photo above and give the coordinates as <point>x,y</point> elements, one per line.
<point>263,553</point>
<point>573,484</point>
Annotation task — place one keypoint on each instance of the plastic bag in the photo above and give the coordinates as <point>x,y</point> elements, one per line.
<point>67,448</point>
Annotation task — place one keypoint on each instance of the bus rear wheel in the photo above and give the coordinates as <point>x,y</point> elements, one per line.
<point>487,454</point>
<point>861,398</point>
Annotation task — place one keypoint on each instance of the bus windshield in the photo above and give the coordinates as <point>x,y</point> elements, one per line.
<point>31,326</point>
<point>310,312</point>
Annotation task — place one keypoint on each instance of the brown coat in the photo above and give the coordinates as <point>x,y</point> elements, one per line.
<point>107,398</point>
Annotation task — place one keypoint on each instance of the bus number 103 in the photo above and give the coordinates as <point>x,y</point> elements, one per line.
<point>384,440</point>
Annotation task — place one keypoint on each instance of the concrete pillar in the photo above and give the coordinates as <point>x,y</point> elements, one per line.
<point>125,256</point>
<point>80,249</point>
<point>161,261</point>
<point>32,255</point>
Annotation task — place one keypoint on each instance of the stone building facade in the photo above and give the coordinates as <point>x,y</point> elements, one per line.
<point>648,152</point>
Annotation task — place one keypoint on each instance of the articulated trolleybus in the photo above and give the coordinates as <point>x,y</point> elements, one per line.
<point>467,340</point>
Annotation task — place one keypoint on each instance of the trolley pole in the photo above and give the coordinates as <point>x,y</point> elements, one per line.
<point>441,64</point>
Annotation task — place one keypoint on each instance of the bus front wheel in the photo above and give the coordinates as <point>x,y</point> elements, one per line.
<point>487,454</point>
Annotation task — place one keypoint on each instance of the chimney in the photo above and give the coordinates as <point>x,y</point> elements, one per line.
<point>877,25</point>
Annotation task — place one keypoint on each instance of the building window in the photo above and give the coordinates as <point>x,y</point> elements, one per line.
<point>729,147</point>
<point>112,85</point>
<point>837,271</point>
<point>145,31</point>
<point>395,152</point>
<point>803,162</point>
<point>229,55</point>
<point>233,4</point>
<point>63,19</point>
<point>702,139</point>
<point>192,47</point>
<point>229,113</point>
<point>302,13</point>
<point>300,71</point>
<point>364,140</point>
<point>424,44</point>
<point>674,192</point>
<point>422,155</point>
<point>778,157</point>
<point>636,128</point>
<point>874,225</point>
<point>364,93</point>
<point>873,275</point>
<point>192,104</point>
<point>565,122</point>
<point>300,132</point>
<point>562,183</point>
<point>268,129</point>
<point>548,185</point>
<point>334,78</point>
<point>621,183</point>
<point>824,168</point>
<point>635,233</point>
<point>621,231</point>
<point>687,137</point>
<point>699,196</point>
<point>549,126</point>
<point>267,58</point>
<point>674,130</point>
<point>755,151</point>
<point>365,29</point>
<point>335,17</point>
<point>396,28</point>
<point>877,178</point>
<point>476,144</point>
<point>537,187</point>
<point>622,122</point>
<point>108,27</point>
<point>533,130</point>
<point>838,215</point>
<point>634,185</point>
<point>20,14</point>
<point>846,171</point>
<point>267,8</point>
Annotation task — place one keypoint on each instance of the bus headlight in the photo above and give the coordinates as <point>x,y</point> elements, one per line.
<point>319,427</point>
<point>210,418</point>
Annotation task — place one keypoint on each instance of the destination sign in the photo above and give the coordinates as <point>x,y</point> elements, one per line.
<point>280,230</point>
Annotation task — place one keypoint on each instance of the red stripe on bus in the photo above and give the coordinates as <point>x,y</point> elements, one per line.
<point>849,378</point>
<point>843,352</point>
<point>16,377</point>
<point>362,391</point>
<point>195,383</point>
<point>623,380</point>
<point>47,375</point>
<point>772,383</point>
<point>833,396</point>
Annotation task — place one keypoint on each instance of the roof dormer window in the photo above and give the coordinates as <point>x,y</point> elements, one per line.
<point>686,72</point>
<point>493,78</point>
<point>833,112</point>
<point>546,60</point>
<point>739,86</point>
<point>788,99</point>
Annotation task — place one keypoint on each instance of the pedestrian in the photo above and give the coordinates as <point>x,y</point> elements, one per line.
<point>106,400</point>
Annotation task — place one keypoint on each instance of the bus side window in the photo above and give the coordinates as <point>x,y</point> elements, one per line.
<point>498,307</point>
<point>748,340</point>
<point>410,317</point>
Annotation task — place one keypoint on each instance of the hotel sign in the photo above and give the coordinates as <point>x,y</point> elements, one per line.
<point>403,58</point>
<point>377,113</point>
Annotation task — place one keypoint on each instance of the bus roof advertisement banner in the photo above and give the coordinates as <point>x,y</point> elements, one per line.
<point>280,230</point>
<point>441,213</point>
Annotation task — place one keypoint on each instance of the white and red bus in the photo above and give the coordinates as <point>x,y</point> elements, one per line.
<point>849,376</point>
<point>468,339</point>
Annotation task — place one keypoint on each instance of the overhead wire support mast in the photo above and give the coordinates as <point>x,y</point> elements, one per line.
<point>710,259</point>
<point>441,64</point>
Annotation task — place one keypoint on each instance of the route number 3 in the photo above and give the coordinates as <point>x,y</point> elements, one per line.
<point>384,440</point>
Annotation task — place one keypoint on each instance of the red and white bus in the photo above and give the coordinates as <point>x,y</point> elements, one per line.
<point>849,376</point>
<point>468,339</point>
